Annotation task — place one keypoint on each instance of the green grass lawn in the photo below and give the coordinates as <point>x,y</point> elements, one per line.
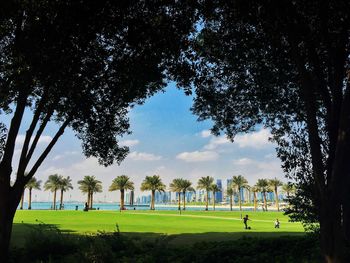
<point>189,227</point>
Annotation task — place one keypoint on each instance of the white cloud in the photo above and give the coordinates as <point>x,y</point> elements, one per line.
<point>197,156</point>
<point>129,143</point>
<point>43,139</point>
<point>140,156</point>
<point>215,142</point>
<point>256,140</point>
<point>205,134</point>
<point>243,161</point>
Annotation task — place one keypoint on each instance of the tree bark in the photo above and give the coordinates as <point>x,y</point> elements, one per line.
<point>214,201</point>
<point>122,199</point>
<point>22,201</point>
<point>206,201</point>
<point>255,201</point>
<point>184,200</point>
<point>265,203</point>
<point>61,199</point>
<point>231,202</point>
<point>179,200</point>
<point>54,199</point>
<point>30,199</point>
<point>239,199</point>
<point>91,199</point>
<point>152,199</point>
<point>276,199</point>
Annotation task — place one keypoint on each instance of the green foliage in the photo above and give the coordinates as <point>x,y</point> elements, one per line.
<point>122,182</point>
<point>90,184</point>
<point>153,183</point>
<point>53,182</point>
<point>33,183</point>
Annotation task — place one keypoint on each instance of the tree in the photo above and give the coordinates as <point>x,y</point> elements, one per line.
<point>33,183</point>
<point>83,65</point>
<point>285,66</point>
<point>274,184</point>
<point>53,184</point>
<point>288,189</point>
<point>90,185</point>
<point>176,186</point>
<point>230,193</point>
<point>122,183</point>
<point>205,183</point>
<point>186,187</point>
<point>214,188</point>
<point>65,185</point>
<point>262,185</point>
<point>153,183</point>
<point>255,189</point>
<point>239,182</point>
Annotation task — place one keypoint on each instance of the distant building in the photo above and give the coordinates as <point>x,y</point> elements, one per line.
<point>218,195</point>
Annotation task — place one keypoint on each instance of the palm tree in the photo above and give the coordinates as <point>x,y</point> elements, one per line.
<point>152,183</point>
<point>205,184</point>
<point>122,183</point>
<point>65,185</point>
<point>214,189</point>
<point>176,186</point>
<point>22,197</point>
<point>255,189</point>
<point>263,187</point>
<point>53,184</point>
<point>230,193</point>
<point>33,183</point>
<point>186,187</point>
<point>288,189</point>
<point>274,184</point>
<point>90,185</point>
<point>238,183</point>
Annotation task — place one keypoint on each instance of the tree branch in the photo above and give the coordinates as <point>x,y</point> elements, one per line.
<point>29,133</point>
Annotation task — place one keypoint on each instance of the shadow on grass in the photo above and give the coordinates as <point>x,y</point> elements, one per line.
<point>22,230</point>
<point>46,243</point>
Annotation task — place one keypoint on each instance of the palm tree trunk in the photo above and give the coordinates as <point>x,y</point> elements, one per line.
<point>255,201</point>
<point>265,203</point>
<point>61,201</point>
<point>152,199</point>
<point>206,201</point>
<point>91,199</point>
<point>231,202</point>
<point>30,199</point>
<point>54,199</point>
<point>179,200</point>
<point>239,199</point>
<point>121,199</point>
<point>184,200</point>
<point>214,201</point>
<point>22,201</point>
<point>276,200</point>
<point>88,200</point>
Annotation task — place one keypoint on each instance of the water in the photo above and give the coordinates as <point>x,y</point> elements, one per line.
<point>115,206</point>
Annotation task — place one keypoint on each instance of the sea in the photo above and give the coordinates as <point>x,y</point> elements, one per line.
<point>115,206</point>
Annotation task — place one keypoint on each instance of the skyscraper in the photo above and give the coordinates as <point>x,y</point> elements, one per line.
<point>218,195</point>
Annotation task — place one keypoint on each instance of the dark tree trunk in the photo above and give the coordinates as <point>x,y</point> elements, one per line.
<point>152,199</point>
<point>231,202</point>
<point>54,199</point>
<point>179,200</point>
<point>265,202</point>
<point>122,199</point>
<point>61,200</point>
<point>22,201</point>
<point>276,199</point>
<point>239,199</point>
<point>91,199</point>
<point>184,200</point>
<point>30,199</point>
<point>9,200</point>
<point>206,201</point>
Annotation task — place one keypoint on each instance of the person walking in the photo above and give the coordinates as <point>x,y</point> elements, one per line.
<point>245,220</point>
<point>277,223</point>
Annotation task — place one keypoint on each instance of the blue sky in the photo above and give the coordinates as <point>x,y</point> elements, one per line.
<point>167,140</point>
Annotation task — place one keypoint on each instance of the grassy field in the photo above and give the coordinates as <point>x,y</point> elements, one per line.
<point>189,227</point>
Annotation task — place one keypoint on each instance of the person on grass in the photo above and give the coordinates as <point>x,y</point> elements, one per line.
<point>245,220</point>
<point>277,223</point>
